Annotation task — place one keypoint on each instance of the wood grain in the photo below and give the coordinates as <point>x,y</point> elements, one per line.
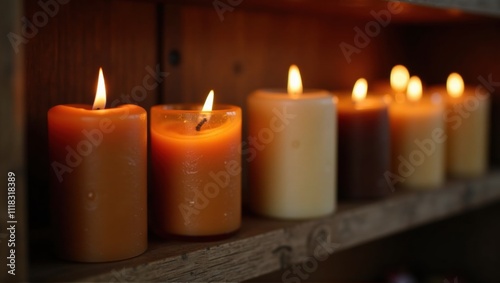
<point>265,245</point>
<point>414,11</point>
<point>440,250</point>
<point>490,7</point>
<point>248,50</point>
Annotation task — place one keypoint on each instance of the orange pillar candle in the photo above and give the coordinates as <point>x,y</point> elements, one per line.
<point>196,159</point>
<point>417,140</point>
<point>293,137</point>
<point>98,180</point>
<point>364,147</point>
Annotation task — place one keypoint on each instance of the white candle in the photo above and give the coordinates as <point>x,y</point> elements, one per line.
<point>293,141</point>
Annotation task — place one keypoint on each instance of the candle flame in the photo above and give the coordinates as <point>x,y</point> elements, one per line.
<point>455,85</point>
<point>207,107</point>
<point>399,78</point>
<point>360,89</point>
<point>294,81</point>
<point>414,91</point>
<point>100,94</point>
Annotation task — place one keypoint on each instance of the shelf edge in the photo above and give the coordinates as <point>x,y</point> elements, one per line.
<point>255,251</point>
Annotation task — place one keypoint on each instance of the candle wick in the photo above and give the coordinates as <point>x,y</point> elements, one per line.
<point>198,127</point>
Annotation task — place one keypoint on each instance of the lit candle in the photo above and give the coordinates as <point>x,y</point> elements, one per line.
<point>196,159</point>
<point>364,151</point>
<point>98,179</point>
<point>467,123</point>
<point>397,84</point>
<point>292,151</point>
<point>399,78</point>
<point>417,139</point>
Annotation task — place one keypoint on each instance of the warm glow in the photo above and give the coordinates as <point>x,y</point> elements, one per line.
<point>294,81</point>
<point>414,91</point>
<point>455,85</point>
<point>360,89</point>
<point>208,102</point>
<point>207,107</point>
<point>100,94</point>
<point>399,78</point>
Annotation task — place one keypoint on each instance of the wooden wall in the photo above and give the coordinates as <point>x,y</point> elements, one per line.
<point>253,49</point>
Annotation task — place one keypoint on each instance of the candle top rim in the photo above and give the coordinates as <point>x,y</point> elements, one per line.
<point>280,93</point>
<point>342,94</point>
<point>195,108</point>
<point>87,108</point>
<point>468,91</point>
<point>84,111</point>
<point>373,101</point>
<point>432,100</point>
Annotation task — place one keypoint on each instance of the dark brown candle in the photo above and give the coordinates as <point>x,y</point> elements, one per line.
<point>364,147</point>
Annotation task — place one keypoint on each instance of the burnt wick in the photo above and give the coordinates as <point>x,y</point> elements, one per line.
<point>202,122</point>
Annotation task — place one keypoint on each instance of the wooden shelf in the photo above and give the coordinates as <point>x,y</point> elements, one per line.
<point>414,11</point>
<point>484,7</point>
<point>265,245</point>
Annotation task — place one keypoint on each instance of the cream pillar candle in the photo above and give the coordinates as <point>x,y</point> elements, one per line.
<point>467,123</point>
<point>293,169</point>
<point>418,140</point>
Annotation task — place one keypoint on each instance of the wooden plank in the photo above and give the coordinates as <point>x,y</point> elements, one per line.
<point>171,41</point>
<point>438,250</point>
<point>413,11</point>
<point>484,7</point>
<point>265,245</point>
<point>249,50</point>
